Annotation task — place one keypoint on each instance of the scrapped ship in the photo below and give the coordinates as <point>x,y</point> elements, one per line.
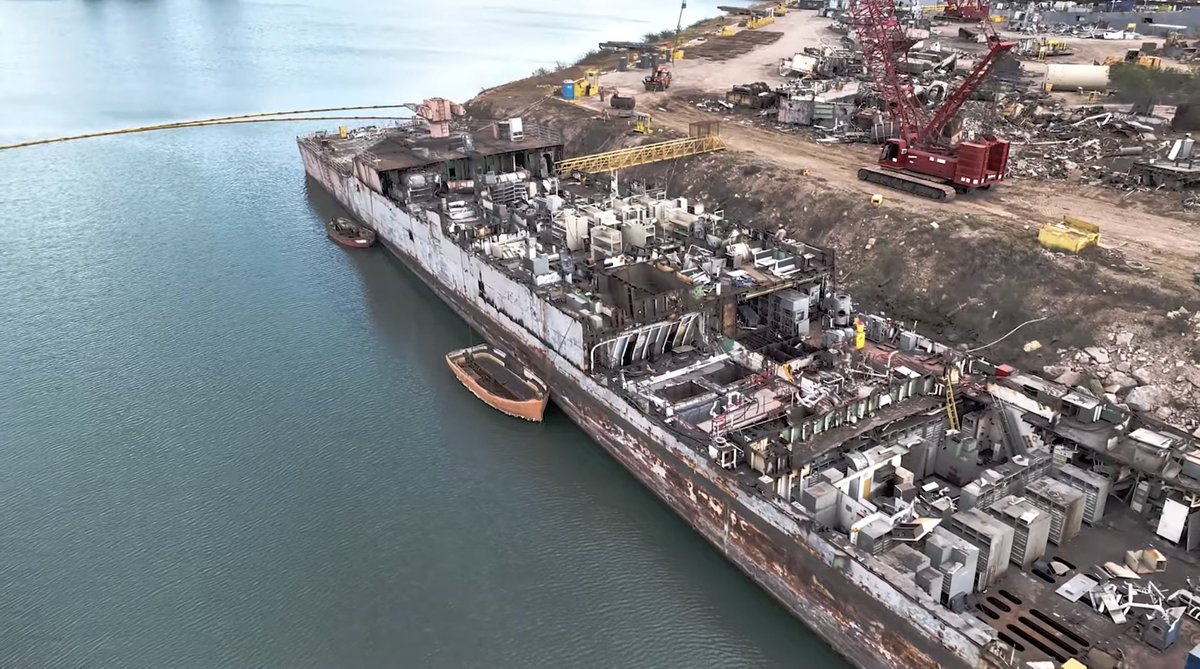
<point>914,505</point>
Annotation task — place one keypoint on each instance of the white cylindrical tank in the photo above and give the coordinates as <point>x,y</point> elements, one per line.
<point>1072,77</point>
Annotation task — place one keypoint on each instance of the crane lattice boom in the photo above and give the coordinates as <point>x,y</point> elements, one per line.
<point>881,38</point>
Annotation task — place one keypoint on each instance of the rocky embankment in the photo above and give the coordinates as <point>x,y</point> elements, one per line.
<point>1143,368</point>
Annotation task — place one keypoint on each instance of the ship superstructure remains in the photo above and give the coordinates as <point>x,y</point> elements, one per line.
<point>914,505</point>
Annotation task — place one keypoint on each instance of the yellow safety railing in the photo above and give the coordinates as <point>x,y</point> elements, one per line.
<point>641,155</point>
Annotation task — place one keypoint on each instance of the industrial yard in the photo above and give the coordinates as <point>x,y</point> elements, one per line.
<point>970,268</point>
<point>951,408</point>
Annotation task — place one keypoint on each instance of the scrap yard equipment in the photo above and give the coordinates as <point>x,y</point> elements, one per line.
<point>967,10</point>
<point>642,123</point>
<point>752,18</point>
<point>589,84</point>
<point>660,80</point>
<point>1136,57</point>
<point>918,161</point>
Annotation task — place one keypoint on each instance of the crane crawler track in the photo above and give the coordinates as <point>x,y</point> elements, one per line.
<point>908,183</point>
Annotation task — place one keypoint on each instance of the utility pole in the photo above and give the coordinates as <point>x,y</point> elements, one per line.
<point>678,29</point>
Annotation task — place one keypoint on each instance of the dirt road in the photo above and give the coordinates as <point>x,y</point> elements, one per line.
<point>1168,242</point>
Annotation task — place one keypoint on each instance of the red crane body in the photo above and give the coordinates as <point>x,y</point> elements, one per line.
<point>967,10</point>
<point>917,161</point>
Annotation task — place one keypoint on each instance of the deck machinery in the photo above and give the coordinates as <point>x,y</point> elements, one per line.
<point>920,160</point>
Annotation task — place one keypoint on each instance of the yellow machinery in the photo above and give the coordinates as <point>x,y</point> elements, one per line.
<point>642,123</point>
<point>781,9</point>
<point>759,21</point>
<point>1135,57</point>
<point>1052,47</point>
<point>589,84</point>
<point>1072,235</point>
<point>727,31</point>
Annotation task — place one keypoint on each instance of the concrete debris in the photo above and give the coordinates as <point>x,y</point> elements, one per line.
<point>1146,398</point>
<point>1098,354</point>
<point>1069,378</point>
<point>1145,376</point>
<point>1144,371</point>
<point>1121,381</point>
<point>1191,374</point>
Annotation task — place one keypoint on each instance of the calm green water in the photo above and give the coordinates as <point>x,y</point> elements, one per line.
<point>226,442</point>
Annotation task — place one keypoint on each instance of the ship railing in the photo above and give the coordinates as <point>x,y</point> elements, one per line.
<point>542,131</point>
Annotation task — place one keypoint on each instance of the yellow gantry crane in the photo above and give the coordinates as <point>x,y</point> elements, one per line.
<point>702,137</point>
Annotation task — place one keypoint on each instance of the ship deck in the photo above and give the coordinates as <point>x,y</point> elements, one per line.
<point>1029,611</point>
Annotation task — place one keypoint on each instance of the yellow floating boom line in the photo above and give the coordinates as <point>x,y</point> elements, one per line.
<point>261,117</point>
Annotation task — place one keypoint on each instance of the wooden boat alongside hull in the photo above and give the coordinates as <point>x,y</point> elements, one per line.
<point>500,381</point>
<point>348,233</point>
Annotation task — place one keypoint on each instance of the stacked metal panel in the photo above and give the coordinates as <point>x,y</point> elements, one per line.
<point>956,560</point>
<point>607,241</point>
<point>1095,489</point>
<point>992,538</point>
<point>790,315</point>
<point>1062,502</point>
<point>1031,528</point>
<point>820,500</point>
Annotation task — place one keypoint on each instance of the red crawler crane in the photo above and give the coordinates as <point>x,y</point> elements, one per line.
<point>917,161</point>
<point>967,10</point>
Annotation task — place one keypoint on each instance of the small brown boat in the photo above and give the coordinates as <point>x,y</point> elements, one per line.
<point>500,381</point>
<point>348,233</point>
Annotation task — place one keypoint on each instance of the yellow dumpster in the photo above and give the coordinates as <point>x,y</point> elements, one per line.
<point>1071,235</point>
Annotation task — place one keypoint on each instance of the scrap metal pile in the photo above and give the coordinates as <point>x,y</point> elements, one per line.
<point>1095,145</point>
<point>1050,142</point>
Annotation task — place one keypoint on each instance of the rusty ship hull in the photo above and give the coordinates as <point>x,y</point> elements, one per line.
<point>859,612</point>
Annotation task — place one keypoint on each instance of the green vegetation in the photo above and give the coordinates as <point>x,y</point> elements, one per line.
<point>658,36</point>
<point>1144,86</point>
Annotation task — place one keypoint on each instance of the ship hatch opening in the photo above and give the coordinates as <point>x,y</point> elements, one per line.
<point>683,391</point>
<point>729,374</point>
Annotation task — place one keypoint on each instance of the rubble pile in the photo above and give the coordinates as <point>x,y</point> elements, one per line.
<point>1089,142</point>
<point>1142,371</point>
